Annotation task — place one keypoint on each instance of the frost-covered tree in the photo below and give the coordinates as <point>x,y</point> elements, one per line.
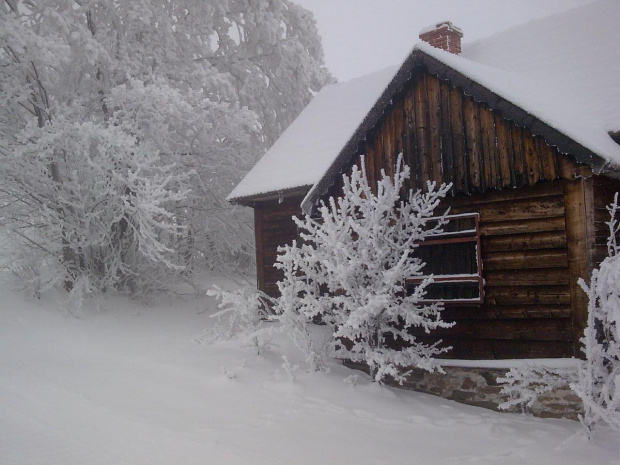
<point>278,58</point>
<point>598,384</point>
<point>349,272</point>
<point>123,125</point>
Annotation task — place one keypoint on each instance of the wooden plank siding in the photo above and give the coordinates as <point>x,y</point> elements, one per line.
<point>603,192</point>
<point>516,182</point>
<point>541,218</point>
<point>526,311</point>
<point>446,136</point>
<point>274,227</point>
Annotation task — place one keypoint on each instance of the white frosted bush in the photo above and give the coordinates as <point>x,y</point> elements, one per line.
<point>349,272</point>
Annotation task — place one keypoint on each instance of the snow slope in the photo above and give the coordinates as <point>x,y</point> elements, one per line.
<point>128,384</point>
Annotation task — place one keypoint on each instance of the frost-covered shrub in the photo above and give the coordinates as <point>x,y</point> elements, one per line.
<point>597,379</point>
<point>524,385</point>
<point>599,375</point>
<point>349,272</point>
<point>124,126</point>
<point>243,313</point>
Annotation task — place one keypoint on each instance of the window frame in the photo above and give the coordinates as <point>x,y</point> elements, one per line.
<point>452,237</point>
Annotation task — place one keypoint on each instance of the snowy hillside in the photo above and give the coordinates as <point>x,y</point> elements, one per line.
<point>128,384</point>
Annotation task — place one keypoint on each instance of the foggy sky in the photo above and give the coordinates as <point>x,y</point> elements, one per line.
<point>361,36</point>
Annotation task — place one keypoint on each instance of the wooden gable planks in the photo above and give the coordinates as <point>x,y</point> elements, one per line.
<point>457,129</point>
<point>435,124</point>
<point>422,128</point>
<point>489,148</point>
<point>410,143</point>
<point>505,151</point>
<point>447,149</point>
<point>473,148</point>
<point>447,136</point>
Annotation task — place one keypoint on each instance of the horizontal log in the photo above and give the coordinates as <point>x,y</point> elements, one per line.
<point>500,349</point>
<point>603,198</point>
<point>507,349</point>
<point>599,255</point>
<point>528,241</point>
<point>533,277</point>
<point>526,259</point>
<point>285,226</point>
<point>542,329</point>
<point>604,182</point>
<point>275,221</point>
<point>601,215</point>
<point>528,295</point>
<point>524,226</point>
<point>540,190</point>
<point>523,209</point>
<point>275,204</point>
<point>491,312</point>
<point>274,240</point>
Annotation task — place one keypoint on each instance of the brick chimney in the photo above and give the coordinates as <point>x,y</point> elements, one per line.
<point>443,35</point>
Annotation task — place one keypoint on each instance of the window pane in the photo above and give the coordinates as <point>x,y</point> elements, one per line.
<point>448,258</point>
<point>452,291</point>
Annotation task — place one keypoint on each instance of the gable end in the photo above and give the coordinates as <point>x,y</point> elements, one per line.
<point>420,63</point>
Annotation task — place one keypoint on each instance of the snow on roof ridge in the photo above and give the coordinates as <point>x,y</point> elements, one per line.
<point>575,50</point>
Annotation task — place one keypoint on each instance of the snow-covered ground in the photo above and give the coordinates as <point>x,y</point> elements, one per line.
<point>128,384</point>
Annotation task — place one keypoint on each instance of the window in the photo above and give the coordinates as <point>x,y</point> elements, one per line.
<point>453,259</point>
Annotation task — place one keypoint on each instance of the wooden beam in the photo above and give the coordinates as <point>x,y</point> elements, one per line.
<point>447,151</point>
<point>580,236</point>
<point>421,112</point>
<point>461,163</point>
<point>472,144</point>
<point>260,256</point>
<point>434,119</point>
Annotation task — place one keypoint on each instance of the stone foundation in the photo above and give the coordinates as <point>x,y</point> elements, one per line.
<point>478,386</point>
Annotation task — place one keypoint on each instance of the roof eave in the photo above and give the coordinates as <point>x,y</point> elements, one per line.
<point>253,200</point>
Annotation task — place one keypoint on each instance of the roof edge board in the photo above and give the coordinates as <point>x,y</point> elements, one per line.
<point>247,201</point>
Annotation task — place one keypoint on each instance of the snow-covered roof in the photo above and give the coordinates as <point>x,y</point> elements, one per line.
<point>562,70</point>
<point>577,53</point>
<point>304,152</point>
<point>550,99</point>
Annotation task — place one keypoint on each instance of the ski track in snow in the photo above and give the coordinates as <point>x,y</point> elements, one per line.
<point>127,385</point>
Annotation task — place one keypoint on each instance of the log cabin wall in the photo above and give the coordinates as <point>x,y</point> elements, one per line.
<point>273,227</point>
<point>535,205</point>
<point>541,218</point>
<point>527,310</point>
<point>604,190</point>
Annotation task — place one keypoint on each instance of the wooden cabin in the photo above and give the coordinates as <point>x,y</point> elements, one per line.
<point>530,180</point>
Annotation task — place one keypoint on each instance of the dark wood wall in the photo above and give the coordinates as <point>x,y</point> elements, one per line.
<point>273,227</point>
<point>603,192</point>
<point>527,305</point>
<point>541,217</point>
<point>448,137</point>
<point>534,211</point>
